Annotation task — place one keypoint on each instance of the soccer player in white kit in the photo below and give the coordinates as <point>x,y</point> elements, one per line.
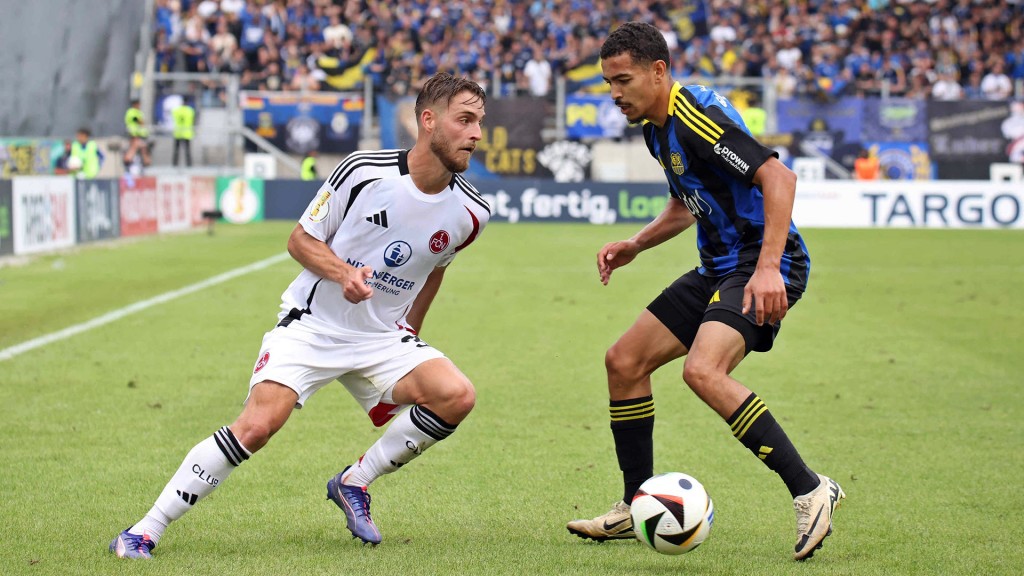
<point>374,244</point>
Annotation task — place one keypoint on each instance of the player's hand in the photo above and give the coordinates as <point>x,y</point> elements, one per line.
<point>767,292</point>
<point>355,287</point>
<point>615,255</point>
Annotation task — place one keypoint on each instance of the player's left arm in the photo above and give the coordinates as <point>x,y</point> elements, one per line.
<point>766,288</point>
<point>414,318</point>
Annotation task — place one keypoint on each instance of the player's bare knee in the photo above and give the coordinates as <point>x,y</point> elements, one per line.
<point>622,367</point>
<point>252,434</point>
<point>460,400</point>
<point>699,374</point>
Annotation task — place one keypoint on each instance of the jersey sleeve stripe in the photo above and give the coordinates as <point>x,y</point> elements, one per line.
<point>696,129</point>
<point>691,110</point>
<point>355,193</point>
<point>470,191</point>
<point>357,159</point>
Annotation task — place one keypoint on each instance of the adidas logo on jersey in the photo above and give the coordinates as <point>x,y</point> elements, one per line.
<point>380,219</point>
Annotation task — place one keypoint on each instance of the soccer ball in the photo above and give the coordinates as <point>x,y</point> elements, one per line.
<point>74,163</point>
<point>672,513</point>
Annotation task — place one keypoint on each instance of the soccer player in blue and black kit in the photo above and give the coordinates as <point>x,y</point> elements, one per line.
<point>753,268</point>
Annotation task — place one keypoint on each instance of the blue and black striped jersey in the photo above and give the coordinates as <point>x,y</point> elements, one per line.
<point>710,158</point>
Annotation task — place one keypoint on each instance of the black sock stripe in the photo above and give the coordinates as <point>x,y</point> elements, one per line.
<point>230,446</point>
<point>428,427</point>
<point>224,450</point>
<point>226,446</point>
<point>431,424</point>
<point>236,444</point>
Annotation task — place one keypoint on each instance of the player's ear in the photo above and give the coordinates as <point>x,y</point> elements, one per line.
<point>660,69</point>
<point>427,119</point>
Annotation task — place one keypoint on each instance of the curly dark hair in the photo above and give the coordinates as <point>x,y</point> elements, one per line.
<point>442,87</point>
<point>643,42</point>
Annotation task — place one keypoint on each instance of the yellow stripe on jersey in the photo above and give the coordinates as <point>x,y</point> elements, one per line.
<point>699,122</point>
<point>696,129</point>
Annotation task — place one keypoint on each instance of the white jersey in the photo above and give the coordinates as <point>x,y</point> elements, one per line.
<point>371,214</point>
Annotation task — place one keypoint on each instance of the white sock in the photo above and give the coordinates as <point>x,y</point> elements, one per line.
<point>204,468</point>
<point>412,432</point>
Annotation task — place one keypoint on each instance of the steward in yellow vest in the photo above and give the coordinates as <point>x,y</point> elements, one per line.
<point>88,154</point>
<point>184,129</point>
<point>308,171</point>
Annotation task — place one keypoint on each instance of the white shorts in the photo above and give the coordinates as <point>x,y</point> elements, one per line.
<point>368,368</point>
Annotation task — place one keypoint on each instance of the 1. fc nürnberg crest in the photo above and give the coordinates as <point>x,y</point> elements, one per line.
<point>439,241</point>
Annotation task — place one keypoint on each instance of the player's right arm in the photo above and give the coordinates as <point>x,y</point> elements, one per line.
<point>675,218</point>
<point>317,257</point>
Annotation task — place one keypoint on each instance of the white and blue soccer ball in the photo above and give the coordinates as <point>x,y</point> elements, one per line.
<point>672,513</point>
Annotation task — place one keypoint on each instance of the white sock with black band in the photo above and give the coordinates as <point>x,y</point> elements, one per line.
<point>204,468</point>
<point>412,432</point>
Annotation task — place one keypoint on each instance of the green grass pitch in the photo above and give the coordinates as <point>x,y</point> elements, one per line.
<point>900,374</point>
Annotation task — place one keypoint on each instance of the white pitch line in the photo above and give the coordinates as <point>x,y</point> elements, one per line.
<point>8,353</point>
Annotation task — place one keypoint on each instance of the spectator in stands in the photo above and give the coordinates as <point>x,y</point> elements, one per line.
<point>337,35</point>
<point>790,55</point>
<point>919,88</point>
<point>996,85</point>
<point>973,91</point>
<point>785,84</point>
<point>223,42</point>
<point>195,43</point>
<point>233,7</point>
<point>237,63</point>
<point>865,82</point>
<point>947,88</point>
<point>892,78</point>
<point>537,73</point>
<point>304,80</point>
<point>254,25</point>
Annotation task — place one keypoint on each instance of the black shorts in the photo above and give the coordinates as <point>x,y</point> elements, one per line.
<point>694,299</point>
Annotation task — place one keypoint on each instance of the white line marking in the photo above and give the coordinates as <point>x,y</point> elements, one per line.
<point>8,353</point>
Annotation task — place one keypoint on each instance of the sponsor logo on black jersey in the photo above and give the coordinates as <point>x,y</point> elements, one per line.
<point>732,158</point>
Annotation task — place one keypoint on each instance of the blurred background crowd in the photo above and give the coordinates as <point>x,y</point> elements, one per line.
<point>941,49</point>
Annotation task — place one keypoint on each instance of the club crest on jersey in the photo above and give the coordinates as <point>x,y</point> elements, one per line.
<point>321,208</point>
<point>397,253</point>
<point>262,362</point>
<point>677,163</point>
<point>439,241</point>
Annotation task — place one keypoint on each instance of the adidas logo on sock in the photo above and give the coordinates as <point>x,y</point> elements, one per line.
<point>189,499</point>
<point>380,219</point>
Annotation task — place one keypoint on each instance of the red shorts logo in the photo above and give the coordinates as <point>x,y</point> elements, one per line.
<point>439,241</point>
<point>262,362</point>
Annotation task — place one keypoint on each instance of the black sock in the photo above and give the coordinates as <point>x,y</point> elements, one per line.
<point>755,427</point>
<point>633,429</point>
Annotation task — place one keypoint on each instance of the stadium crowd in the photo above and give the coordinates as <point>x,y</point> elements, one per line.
<point>941,49</point>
